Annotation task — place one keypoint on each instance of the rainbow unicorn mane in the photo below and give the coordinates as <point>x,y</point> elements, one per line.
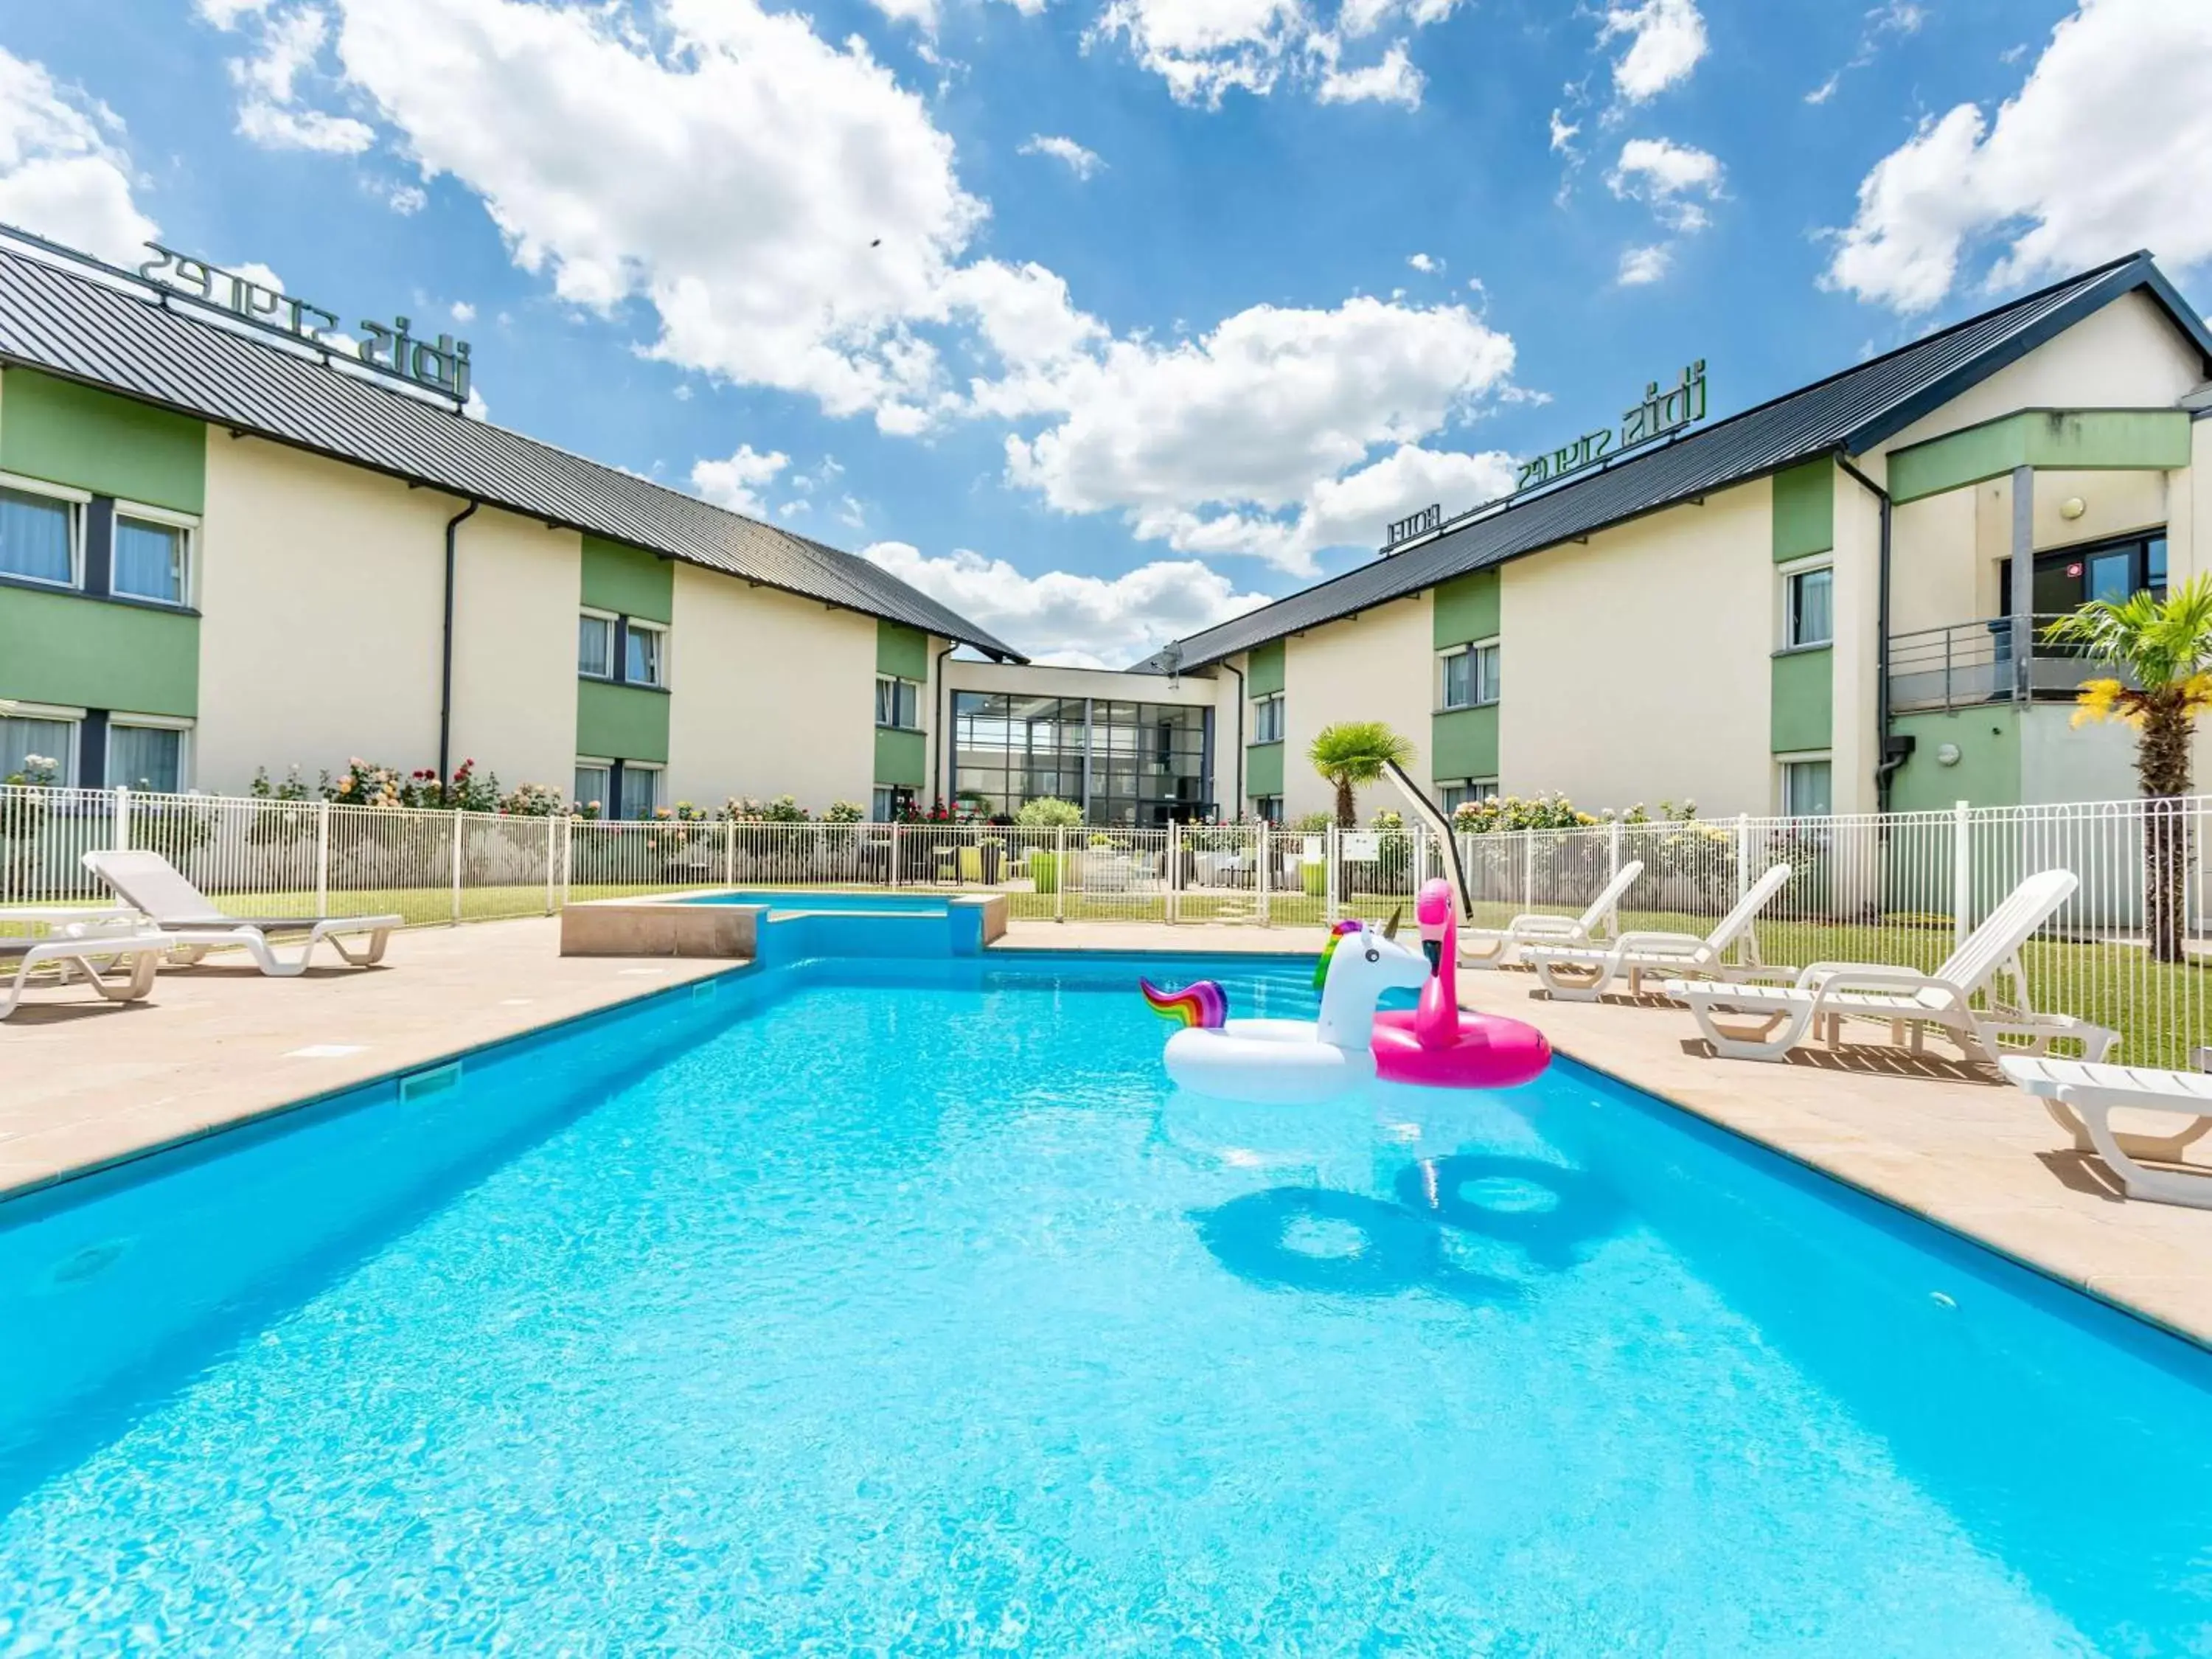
<point>1349,925</point>
<point>1202,1003</point>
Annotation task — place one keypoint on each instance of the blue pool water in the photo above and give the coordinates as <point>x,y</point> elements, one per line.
<point>903,1308</point>
<point>929,903</point>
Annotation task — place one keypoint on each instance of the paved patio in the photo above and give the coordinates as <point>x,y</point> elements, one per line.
<point>84,1084</point>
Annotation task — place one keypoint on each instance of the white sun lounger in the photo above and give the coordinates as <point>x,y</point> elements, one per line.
<point>93,955</point>
<point>1780,1017</point>
<point>1495,947</point>
<point>194,926</point>
<point>1584,973</point>
<point>2081,1098</point>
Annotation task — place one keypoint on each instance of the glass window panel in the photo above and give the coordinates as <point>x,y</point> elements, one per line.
<point>595,646</point>
<point>34,536</point>
<point>51,740</point>
<point>641,791</point>
<point>590,787</point>
<point>2112,576</point>
<point>144,757</point>
<point>1458,682</point>
<point>642,654</point>
<point>2154,564</point>
<point>1810,593</point>
<point>1805,789</point>
<point>149,560</point>
<point>1486,686</point>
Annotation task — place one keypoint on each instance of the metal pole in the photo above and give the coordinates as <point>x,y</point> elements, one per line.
<point>457,865</point>
<point>1263,859</point>
<point>2023,581</point>
<point>896,827</point>
<point>1060,873</point>
<point>552,862</point>
<point>1612,849</point>
<point>119,829</point>
<point>322,858</point>
<point>1332,873</point>
<point>1962,872</point>
<point>729,852</point>
<point>1743,854</point>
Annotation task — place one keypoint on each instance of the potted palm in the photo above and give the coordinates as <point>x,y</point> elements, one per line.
<point>2161,645</point>
<point>1350,755</point>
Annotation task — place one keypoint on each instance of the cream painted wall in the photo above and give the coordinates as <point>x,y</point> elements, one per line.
<point>1636,668</point>
<point>322,594</point>
<point>771,695</point>
<point>516,588</point>
<point>1378,666</point>
<point>1936,557</point>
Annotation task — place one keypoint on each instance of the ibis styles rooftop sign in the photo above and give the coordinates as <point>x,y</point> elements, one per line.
<point>442,367</point>
<point>1659,414</point>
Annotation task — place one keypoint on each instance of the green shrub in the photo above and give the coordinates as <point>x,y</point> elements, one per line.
<point>1047,813</point>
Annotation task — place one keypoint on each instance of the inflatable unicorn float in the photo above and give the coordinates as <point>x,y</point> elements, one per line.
<point>1436,1044</point>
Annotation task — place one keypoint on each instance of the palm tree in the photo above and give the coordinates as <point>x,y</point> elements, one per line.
<point>1352,753</point>
<point>2162,647</point>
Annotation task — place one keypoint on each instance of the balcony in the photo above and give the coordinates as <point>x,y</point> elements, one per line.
<point>1968,665</point>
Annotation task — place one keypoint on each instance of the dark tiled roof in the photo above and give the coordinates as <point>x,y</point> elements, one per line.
<point>112,331</point>
<point>1846,414</point>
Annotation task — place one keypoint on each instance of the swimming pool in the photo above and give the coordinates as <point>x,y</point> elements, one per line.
<point>900,1307</point>
<point>927,903</point>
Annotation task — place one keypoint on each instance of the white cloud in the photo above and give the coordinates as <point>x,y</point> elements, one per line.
<point>60,174</point>
<point>1204,49</point>
<point>463,311</point>
<point>1826,90</point>
<point>1082,162</point>
<point>1893,17</point>
<point>406,199</point>
<point>269,112</point>
<point>1666,39</point>
<point>1639,265</point>
<point>1562,134</point>
<point>1090,621</point>
<point>1671,177</point>
<point>1427,265</point>
<point>1238,441</point>
<point>225,14</point>
<point>921,13</point>
<point>736,482</point>
<point>2106,147</point>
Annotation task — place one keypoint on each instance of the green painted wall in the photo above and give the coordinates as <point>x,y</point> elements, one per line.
<point>621,722</point>
<point>2051,439</point>
<point>1804,708</point>
<point>1805,510</point>
<point>94,654</point>
<point>631,582</point>
<point>1464,743</point>
<point>1466,609</point>
<point>901,757</point>
<point>1988,769</point>
<point>1263,674</point>
<point>902,651</point>
<point>1263,769</point>
<point>69,433</point>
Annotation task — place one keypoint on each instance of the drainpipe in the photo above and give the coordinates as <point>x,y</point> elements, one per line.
<point>943,727</point>
<point>1237,766</point>
<point>1891,756</point>
<point>445,655</point>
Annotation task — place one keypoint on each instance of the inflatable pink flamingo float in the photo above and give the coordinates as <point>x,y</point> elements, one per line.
<point>1439,1043</point>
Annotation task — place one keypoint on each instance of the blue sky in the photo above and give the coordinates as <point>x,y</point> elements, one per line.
<point>1104,317</point>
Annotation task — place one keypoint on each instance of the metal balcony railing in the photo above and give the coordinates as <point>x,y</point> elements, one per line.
<point>1973,663</point>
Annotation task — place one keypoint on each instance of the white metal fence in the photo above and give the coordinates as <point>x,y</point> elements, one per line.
<point>1899,889</point>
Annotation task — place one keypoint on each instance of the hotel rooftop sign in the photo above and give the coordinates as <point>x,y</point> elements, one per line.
<point>1659,414</point>
<point>442,367</point>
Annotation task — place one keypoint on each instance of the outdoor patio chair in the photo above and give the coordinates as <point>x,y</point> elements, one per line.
<point>1497,947</point>
<point>2081,1098</point>
<point>92,955</point>
<point>1583,974</point>
<point>193,926</point>
<point>1823,995</point>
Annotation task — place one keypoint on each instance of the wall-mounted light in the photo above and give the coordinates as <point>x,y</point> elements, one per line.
<point>2072,507</point>
<point>1946,755</point>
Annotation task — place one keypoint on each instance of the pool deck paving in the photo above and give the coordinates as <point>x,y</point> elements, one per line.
<point>85,1084</point>
<point>1945,1139</point>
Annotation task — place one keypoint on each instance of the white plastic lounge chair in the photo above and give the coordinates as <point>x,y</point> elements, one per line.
<point>92,955</point>
<point>1496,947</point>
<point>194,926</point>
<point>1583,974</point>
<point>1827,993</point>
<point>2081,1097</point>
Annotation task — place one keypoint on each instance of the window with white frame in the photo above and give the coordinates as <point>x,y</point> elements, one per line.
<point>594,783</point>
<point>151,557</point>
<point>38,537</point>
<point>640,789</point>
<point>1466,791</point>
<point>1269,807</point>
<point>644,653</point>
<point>898,703</point>
<point>1469,676</point>
<point>1806,786</point>
<point>48,735</point>
<point>146,754</point>
<point>595,646</point>
<point>1268,718</point>
<point>1808,607</point>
